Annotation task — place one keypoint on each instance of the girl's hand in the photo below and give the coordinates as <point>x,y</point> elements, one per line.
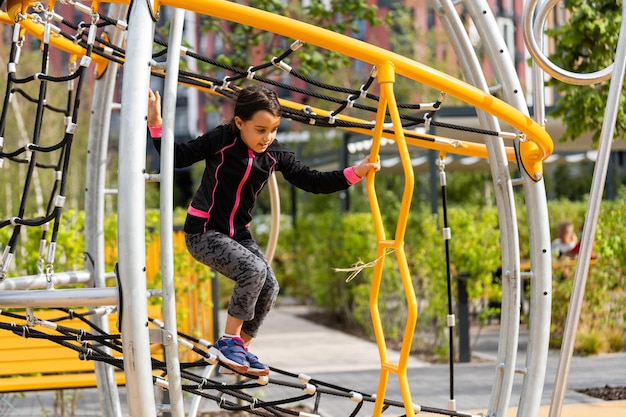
<point>154,109</point>
<point>365,167</point>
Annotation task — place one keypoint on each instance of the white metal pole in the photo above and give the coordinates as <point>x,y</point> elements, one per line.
<point>509,329</point>
<point>100,122</point>
<point>537,221</point>
<point>85,297</point>
<point>131,212</point>
<point>167,207</point>
<point>39,281</point>
<point>541,284</point>
<point>591,221</point>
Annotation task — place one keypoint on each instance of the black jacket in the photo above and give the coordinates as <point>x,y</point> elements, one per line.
<point>234,176</point>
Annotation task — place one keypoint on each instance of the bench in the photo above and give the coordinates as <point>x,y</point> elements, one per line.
<point>33,364</point>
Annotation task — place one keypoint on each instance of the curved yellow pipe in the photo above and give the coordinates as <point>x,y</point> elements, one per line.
<point>539,145</point>
<point>14,8</point>
<point>435,142</point>
<point>532,151</point>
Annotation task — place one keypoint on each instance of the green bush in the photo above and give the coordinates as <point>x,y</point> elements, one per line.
<point>322,242</point>
<point>311,250</point>
<point>325,243</point>
<point>604,306</point>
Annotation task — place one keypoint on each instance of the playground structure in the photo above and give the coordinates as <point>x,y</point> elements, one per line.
<point>529,146</point>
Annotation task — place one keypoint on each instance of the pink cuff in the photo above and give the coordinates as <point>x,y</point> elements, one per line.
<point>155,131</point>
<point>351,175</point>
<point>198,213</point>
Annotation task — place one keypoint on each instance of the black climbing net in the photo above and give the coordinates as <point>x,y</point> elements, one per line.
<point>249,393</point>
<point>412,115</point>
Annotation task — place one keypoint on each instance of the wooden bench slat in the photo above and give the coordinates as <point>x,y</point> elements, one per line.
<point>66,381</point>
<point>33,364</point>
<point>28,354</point>
<point>10,341</point>
<point>50,367</point>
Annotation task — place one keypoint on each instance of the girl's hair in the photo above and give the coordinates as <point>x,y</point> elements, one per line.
<point>253,99</point>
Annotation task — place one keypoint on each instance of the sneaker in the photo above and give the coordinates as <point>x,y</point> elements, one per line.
<point>256,368</point>
<point>231,352</point>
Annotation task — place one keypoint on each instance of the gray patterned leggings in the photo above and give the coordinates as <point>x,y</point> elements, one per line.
<point>256,287</point>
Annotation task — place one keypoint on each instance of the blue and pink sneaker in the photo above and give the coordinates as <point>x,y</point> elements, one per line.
<point>231,352</point>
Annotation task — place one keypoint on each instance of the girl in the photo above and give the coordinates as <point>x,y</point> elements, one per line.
<point>239,158</point>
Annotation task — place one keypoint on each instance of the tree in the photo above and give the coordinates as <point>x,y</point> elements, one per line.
<point>586,44</point>
<point>242,44</point>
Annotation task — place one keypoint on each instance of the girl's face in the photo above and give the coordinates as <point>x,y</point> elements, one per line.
<point>260,131</point>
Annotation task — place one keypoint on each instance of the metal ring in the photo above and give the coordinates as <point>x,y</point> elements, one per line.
<point>536,53</point>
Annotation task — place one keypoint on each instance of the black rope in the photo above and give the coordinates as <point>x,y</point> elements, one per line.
<point>217,84</point>
<point>444,200</point>
<point>82,342</point>
<point>28,97</point>
<point>242,73</point>
<point>54,204</point>
<point>36,135</point>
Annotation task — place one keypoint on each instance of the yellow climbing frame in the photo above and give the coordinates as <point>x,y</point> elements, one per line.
<point>18,13</point>
<point>386,79</point>
<point>535,143</point>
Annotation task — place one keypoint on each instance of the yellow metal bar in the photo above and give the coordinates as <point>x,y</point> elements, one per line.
<point>5,18</point>
<point>17,7</point>
<point>539,146</point>
<point>59,42</point>
<point>390,367</point>
<point>378,267</point>
<point>386,77</point>
<point>380,255</point>
<point>411,320</point>
<point>435,142</point>
<point>379,334</point>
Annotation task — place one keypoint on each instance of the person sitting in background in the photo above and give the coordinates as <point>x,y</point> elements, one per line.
<point>566,239</point>
<point>576,249</point>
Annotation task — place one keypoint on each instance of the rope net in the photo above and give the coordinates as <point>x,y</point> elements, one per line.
<point>280,394</point>
<point>41,148</point>
<point>338,100</point>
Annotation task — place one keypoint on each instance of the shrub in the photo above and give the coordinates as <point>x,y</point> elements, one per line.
<point>589,342</point>
<point>310,250</point>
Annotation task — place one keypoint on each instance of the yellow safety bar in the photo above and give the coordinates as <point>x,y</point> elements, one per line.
<point>534,149</point>
<point>435,142</point>
<point>15,8</point>
<point>535,146</point>
<point>386,78</point>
